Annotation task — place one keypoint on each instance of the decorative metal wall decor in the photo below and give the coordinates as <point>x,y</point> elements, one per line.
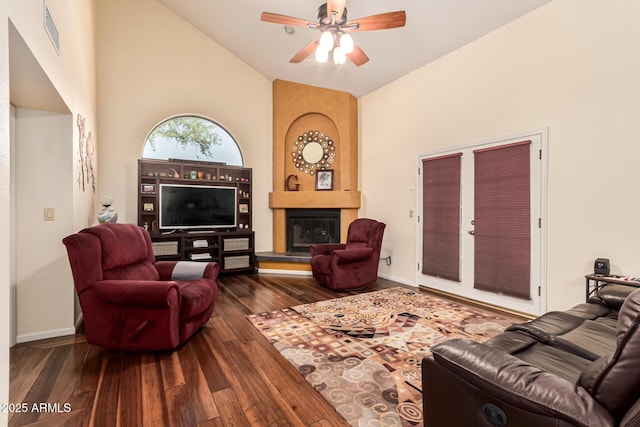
<point>313,151</point>
<point>86,156</point>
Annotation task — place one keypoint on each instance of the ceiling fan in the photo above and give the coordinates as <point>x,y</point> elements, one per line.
<point>334,30</point>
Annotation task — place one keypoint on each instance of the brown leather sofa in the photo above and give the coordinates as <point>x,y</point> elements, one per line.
<point>579,367</point>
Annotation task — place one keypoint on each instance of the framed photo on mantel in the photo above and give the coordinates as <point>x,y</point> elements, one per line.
<point>324,180</point>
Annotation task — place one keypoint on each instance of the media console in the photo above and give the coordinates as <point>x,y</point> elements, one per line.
<point>229,242</point>
<point>232,250</point>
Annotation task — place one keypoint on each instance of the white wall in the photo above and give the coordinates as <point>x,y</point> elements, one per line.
<point>45,305</point>
<point>5,220</point>
<point>153,65</point>
<point>44,178</point>
<point>571,66</point>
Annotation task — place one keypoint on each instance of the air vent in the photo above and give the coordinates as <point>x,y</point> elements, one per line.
<point>50,26</point>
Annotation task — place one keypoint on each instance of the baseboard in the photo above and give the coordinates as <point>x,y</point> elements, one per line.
<point>79,321</point>
<point>477,303</point>
<point>288,272</point>
<point>397,279</point>
<point>36,336</point>
<point>309,273</point>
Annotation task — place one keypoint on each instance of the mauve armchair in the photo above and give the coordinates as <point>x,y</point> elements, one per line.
<point>353,264</point>
<point>131,302</point>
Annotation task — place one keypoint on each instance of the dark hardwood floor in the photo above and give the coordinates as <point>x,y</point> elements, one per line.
<point>226,375</point>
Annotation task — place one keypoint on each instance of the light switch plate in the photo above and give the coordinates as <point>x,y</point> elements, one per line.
<point>49,214</point>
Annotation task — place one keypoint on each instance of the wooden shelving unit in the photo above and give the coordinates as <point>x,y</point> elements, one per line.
<point>232,248</point>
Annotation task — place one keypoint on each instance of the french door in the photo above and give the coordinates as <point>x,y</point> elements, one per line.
<point>480,229</point>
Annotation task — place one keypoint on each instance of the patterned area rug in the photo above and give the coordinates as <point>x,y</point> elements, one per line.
<point>363,352</point>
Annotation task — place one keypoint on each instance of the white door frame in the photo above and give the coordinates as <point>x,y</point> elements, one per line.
<point>539,251</point>
<point>13,326</point>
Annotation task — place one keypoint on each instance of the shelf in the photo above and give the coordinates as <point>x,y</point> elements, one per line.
<point>153,173</point>
<point>192,181</point>
<point>314,199</point>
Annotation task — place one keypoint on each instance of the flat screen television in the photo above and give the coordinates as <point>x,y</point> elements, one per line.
<point>197,207</point>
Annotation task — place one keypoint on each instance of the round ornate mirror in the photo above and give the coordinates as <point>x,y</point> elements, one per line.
<point>313,151</point>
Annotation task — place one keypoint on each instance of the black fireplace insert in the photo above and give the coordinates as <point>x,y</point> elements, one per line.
<point>308,226</point>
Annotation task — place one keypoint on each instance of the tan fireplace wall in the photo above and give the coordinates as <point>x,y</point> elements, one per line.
<point>299,108</point>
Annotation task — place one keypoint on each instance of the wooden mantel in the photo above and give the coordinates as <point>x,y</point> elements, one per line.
<point>314,199</point>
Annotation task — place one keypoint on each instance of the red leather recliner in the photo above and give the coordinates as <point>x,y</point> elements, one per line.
<point>131,302</point>
<point>350,265</point>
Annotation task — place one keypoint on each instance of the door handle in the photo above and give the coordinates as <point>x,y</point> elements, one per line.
<point>472,232</point>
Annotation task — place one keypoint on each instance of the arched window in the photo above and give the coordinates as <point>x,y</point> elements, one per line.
<point>192,138</point>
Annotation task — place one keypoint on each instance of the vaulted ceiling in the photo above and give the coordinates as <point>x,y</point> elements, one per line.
<point>433,29</point>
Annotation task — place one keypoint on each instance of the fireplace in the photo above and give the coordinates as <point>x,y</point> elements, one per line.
<point>308,226</point>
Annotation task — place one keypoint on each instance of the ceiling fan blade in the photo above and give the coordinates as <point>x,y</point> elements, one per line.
<point>383,21</point>
<point>358,57</point>
<point>276,18</point>
<point>336,6</point>
<point>305,52</point>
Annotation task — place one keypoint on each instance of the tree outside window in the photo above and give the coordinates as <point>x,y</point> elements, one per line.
<point>192,138</point>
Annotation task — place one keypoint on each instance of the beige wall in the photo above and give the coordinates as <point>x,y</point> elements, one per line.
<point>572,67</point>
<point>46,160</point>
<point>153,65</point>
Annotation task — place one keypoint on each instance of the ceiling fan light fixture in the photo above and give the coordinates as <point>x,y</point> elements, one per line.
<point>339,57</point>
<point>321,54</point>
<point>326,41</point>
<point>346,43</point>
<point>334,27</point>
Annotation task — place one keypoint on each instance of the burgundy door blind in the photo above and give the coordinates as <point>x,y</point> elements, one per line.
<point>502,220</point>
<point>441,216</point>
